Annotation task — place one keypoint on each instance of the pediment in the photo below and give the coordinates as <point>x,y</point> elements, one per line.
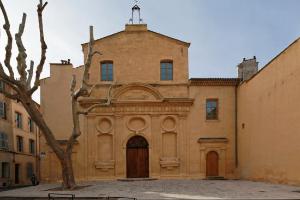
<point>137,92</point>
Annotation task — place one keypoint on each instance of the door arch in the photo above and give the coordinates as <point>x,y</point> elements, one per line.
<point>137,157</point>
<point>212,164</point>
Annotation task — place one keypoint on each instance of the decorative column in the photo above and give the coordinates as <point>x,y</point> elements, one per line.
<point>120,152</point>
<point>183,147</point>
<point>156,146</point>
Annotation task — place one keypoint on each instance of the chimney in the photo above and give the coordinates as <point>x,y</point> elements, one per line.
<point>247,68</point>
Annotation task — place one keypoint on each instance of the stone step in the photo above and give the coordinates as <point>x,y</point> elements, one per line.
<point>137,179</point>
<point>215,178</point>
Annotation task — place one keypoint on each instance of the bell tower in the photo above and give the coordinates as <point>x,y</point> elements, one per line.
<point>136,14</point>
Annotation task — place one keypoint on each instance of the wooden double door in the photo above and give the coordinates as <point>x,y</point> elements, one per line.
<point>137,158</point>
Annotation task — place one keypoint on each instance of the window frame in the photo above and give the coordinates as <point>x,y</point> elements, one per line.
<point>5,174</point>
<point>31,146</point>
<point>19,121</point>
<point>2,85</point>
<point>217,109</point>
<point>3,107</point>
<point>30,125</point>
<point>3,141</point>
<point>107,76</point>
<point>20,143</point>
<point>164,72</point>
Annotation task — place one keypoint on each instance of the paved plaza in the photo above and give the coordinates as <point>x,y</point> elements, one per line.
<point>169,189</point>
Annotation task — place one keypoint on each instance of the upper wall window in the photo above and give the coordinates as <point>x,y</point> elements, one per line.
<point>211,109</point>
<point>107,71</point>
<point>2,110</point>
<point>2,85</point>
<point>166,70</point>
<point>3,141</point>
<point>30,125</point>
<point>18,120</point>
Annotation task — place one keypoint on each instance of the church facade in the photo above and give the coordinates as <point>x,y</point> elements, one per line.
<point>159,123</point>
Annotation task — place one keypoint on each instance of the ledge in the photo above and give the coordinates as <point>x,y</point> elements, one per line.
<point>105,165</point>
<point>213,140</point>
<point>169,163</point>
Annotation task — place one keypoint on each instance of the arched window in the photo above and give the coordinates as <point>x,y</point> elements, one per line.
<point>166,70</point>
<point>107,71</point>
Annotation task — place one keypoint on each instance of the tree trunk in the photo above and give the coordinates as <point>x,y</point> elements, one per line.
<point>67,172</point>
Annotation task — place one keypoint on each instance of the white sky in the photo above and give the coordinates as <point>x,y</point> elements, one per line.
<point>221,32</point>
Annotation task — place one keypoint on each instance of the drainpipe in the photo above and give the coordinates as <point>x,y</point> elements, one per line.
<point>236,127</point>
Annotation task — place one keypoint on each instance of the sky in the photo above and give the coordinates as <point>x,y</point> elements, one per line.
<point>221,32</point>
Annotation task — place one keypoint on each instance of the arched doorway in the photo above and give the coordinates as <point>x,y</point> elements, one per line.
<point>137,157</point>
<point>212,164</point>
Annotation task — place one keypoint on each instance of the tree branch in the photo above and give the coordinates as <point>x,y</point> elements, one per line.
<point>21,58</point>
<point>30,74</point>
<point>40,66</point>
<point>8,47</point>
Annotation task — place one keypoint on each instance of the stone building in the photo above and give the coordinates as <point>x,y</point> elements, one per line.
<point>19,143</point>
<point>162,124</point>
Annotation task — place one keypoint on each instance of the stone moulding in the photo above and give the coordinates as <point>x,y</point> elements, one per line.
<point>105,165</point>
<point>104,125</point>
<point>169,124</point>
<point>213,140</point>
<point>169,163</point>
<point>137,124</point>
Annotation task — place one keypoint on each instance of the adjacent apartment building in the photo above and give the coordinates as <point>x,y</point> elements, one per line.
<point>162,124</point>
<point>19,143</point>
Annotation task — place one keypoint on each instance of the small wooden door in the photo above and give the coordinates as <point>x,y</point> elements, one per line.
<point>17,173</point>
<point>137,158</point>
<point>212,164</point>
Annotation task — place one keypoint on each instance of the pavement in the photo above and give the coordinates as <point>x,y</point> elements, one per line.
<point>167,189</point>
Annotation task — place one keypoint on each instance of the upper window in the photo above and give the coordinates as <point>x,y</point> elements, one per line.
<point>31,146</point>
<point>18,120</point>
<point>3,141</point>
<point>20,144</point>
<point>166,70</point>
<point>2,85</point>
<point>2,110</point>
<point>30,125</point>
<point>107,71</point>
<point>212,109</point>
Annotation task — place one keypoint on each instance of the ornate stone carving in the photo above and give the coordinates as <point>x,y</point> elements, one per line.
<point>104,125</point>
<point>169,124</point>
<point>136,124</point>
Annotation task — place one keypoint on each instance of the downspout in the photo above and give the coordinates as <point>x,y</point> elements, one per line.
<point>236,127</point>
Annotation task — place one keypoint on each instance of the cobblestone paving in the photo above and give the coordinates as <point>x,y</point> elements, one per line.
<point>170,189</point>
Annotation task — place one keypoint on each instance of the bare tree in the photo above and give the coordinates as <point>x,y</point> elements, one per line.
<point>22,88</point>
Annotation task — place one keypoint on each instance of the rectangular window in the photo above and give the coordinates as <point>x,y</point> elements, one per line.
<point>29,170</point>
<point>18,120</point>
<point>19,144</point>
<point>31,146</point>
<point>5,170</point>
<point>2,86</point>
<point>30,125</point>
<point>3,110</point>
<point>107,71</point>
<point>212,109</point>
<point>3,141</point>
<point>166,71</point>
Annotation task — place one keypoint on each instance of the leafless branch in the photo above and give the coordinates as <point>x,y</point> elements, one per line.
<point>21,58</point>
<point>30,74</point>
<point>40,66</point>
<point>8,47</point>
